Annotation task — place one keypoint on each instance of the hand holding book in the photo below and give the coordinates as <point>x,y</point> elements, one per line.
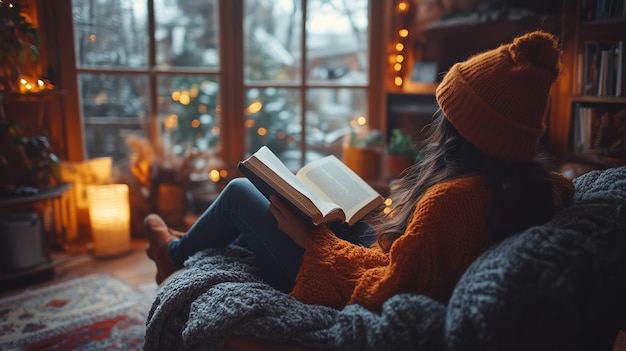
<point>289,222</point>
<point>323,191</point>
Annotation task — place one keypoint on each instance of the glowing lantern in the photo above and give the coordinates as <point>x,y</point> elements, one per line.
<point>109,216</point>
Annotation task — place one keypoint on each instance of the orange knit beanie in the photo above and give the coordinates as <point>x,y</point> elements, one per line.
<point>498,99</point>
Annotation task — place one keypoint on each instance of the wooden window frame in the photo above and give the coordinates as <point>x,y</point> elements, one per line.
<point>61,58</point>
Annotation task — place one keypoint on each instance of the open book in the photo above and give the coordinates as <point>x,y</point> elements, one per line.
<point>324,191</point>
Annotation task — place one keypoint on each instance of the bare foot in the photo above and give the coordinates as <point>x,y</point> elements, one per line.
<point>159,237</point>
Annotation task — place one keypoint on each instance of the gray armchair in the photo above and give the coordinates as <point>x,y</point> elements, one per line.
<point>560,286</point>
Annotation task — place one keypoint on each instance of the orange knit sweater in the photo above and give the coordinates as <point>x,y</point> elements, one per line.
<point>448,232</point>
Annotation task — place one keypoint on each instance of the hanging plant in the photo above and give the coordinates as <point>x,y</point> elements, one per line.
<point>19,41</point>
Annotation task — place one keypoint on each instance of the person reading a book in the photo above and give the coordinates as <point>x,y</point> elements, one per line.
<point>481,180</point>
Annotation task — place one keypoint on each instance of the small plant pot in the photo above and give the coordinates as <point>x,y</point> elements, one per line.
<point>396,164</point>
<point>364,162</point>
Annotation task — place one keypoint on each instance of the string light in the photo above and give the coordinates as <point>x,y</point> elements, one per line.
<point>255,107</point>
<point>387,203</point>
<point>170,122</point>
<point>214,175</point>
<point>402,20</point>
<point>34,86</point>
<point>184,98</point>
<point>403,6</point>
<point>194,91</point>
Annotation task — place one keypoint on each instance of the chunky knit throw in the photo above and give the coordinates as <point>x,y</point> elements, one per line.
<point>560,286</point>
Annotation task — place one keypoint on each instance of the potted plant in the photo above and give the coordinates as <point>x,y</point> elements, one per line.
<point>361,152</point>
<point>19,40</point>
<point>26,160</point>
<point>401,152</point>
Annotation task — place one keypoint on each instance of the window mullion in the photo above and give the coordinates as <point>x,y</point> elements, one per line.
<point>303,83</point>
<point>376,108</point>
<point>154,126</point>
<point>232,136</point>
<point>65,65</point>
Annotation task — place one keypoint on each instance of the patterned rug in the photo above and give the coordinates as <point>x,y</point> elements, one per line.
<point>96,312</point>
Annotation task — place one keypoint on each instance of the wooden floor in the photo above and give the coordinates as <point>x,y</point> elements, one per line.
<point>135,268</point>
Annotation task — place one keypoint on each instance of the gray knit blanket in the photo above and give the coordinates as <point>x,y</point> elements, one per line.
<point>560,286</point>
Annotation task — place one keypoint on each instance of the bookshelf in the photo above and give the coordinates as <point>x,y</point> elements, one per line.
<point>588,121</point>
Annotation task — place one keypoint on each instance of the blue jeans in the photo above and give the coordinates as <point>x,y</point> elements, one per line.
<point>241,215</point>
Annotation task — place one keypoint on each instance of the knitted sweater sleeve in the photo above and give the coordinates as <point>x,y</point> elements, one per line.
<point>335,272</point>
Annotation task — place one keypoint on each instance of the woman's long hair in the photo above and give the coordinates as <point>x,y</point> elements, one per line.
<point>522,192</point>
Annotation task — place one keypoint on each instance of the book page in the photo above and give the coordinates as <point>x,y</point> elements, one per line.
<point>264,162</point>
<point>273,164</point>
<point>337,183</point>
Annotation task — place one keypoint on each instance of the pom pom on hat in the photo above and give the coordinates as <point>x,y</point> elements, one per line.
<point>538,48</point>
<point>498,99</point>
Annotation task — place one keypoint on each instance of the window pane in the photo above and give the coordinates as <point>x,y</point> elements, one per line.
<point>337,41</point>
<point>188,108</point>
<point>186,33</point>
<point>330,113</point>
<point>113,107</point>
<point>272,119</point>
<point>103,30</point>
<point>272,40</point>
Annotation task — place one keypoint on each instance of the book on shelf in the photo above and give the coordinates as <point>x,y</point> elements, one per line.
<point>586,119</point>
<point>620,63</point>
<point>603,74</point>
<point>591,69</point>
<point>601,10</point>
<point>323,191</point>
<point>602,69</point>
<point>599,131</point>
